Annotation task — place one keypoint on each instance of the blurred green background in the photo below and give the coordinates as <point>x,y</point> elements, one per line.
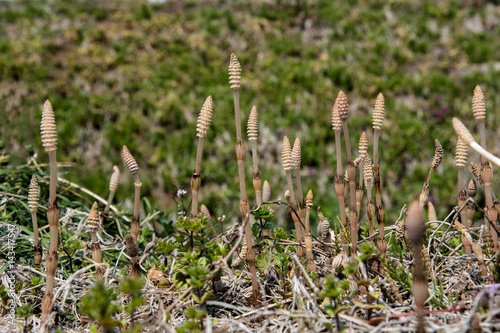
<point>137,73</point>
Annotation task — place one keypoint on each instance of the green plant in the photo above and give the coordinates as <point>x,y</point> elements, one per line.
<point>334,288</point>
<point>25,311</point>
<point>194,252</point>
<point>99,303</point>
<point>195,321</point>
<point>133,288</point>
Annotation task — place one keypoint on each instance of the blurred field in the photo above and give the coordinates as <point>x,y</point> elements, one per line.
<point>137,73</point>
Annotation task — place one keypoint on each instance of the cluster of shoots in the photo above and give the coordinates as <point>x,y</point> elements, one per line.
<point>49,142</point>
<point>288,165</point>
<point>485,174</point>
<point>367,171</point>
<point>235,81</point>
<point>361,169</point>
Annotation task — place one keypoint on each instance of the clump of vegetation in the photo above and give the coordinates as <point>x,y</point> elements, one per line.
<point>348,280</point>
<point>244,271</point>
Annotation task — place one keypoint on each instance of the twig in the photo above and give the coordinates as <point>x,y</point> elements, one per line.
<point>306,276</point>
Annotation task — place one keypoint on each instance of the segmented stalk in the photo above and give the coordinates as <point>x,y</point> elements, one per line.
<point>33,197</point>
<point>93,226</point>
<point>133,252</point>
<point>49,142</point>
<point>113,186</point>
<point>339,184</point>
<point>234,70</point>
<point>308,237</point>
<point>253,130</point>
<point>378,121</point>
<point>288,165</point>
<point>133,168</point>
<point>202,126</point>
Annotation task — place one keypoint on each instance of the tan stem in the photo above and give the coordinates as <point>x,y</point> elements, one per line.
<point>369,190</point>
<point>361,167</point>
<point>353,216</point>
<point>491,212</point>
<point>35,229</point>
<point>461,179</point>
<point>381,219</point>
<point>255,157</point>
<point>96,253</point>
<point>52,257</point>
<point>237,115</point>
<point>53,177</point>
<point>300,195</point>
<point>347,140</point>
<point>471,209</point>
<point>419,288</point>
<point>378,201</point>
<point>370,212</point>
<point>309,253</point>
<point>194,203</point>
<point>359,199</point>
<point>241,174</point>
<point>359,190</point>
<point>296,220</point>
<point>135,226</point>
<point>36,240</point>
<point>352,184</point>
<point>339,153</point>
<point>375,146</point>
<point>482,137</point>
<point>462,199</point>
<point>250,252</point>
<point>257,182</point>
<point>199,153</point>
<point>290,187</point>
<point>47,302</point>
<point>137,196</point>
<point>463,218</point>
<point>339,190</point>
<point>108,203</point>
